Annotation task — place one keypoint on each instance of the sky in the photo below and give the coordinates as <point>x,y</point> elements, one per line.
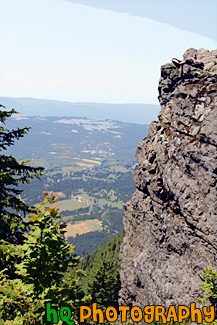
<point>97,51</point>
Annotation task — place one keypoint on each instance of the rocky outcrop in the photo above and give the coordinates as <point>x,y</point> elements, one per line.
<point>171,222</point>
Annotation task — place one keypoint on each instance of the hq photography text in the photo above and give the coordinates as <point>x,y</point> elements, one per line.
<point>149,314</point>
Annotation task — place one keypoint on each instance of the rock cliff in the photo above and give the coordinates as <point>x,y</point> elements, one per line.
<point>171,222</point>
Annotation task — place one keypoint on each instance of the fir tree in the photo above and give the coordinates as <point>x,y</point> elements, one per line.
<point>12,208</point>
<point>103,278</point>
<point>105,284</point>
<point>12,173</point>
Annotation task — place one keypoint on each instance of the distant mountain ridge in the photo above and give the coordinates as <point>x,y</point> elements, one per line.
<point>132,113</point>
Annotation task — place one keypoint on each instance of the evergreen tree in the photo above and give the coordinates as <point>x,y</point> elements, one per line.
<point>103,278</point>
<point>105,284</point>
<point>12,208</point>
<point>12,173</point>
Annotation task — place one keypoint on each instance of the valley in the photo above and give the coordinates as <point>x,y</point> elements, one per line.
<point>88,164</point>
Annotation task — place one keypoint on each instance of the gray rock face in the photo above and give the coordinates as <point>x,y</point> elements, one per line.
<point>171,222</point>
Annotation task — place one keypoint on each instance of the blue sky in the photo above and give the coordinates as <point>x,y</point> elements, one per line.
<point>97,51</point>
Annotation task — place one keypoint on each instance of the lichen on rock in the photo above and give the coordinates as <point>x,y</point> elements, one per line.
<point>170,222</point>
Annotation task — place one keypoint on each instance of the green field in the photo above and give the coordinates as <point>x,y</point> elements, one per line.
<point>83,200</point>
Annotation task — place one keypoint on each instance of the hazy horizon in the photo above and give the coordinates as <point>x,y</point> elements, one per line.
<point>128,112</point>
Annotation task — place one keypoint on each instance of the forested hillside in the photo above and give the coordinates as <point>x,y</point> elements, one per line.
<point>101,266</point>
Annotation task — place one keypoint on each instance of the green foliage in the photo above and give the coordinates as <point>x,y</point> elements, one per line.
<point>12,173</point>
<point>12,208</point>
<point>46,255</point>
<point>46,272</point>
<point>105,284</point>
<point>103,279</point>
<point>37,265</point>
<point>87,243</point>
<point>210,287</point>
<point>17,303</point>
<point>111,249</point>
